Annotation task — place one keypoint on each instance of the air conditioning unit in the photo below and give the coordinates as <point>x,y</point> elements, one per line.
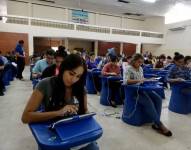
<point>177,28</point>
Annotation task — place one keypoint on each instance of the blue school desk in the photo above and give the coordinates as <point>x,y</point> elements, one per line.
<point>66,134</point>
<point>180,102</point>
<point>106,91</point>
<point>133,113</point>
<point>90,85</point>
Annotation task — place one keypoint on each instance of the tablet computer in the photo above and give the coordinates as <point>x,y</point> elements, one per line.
<point>72,119</point>
<point>77,128</point>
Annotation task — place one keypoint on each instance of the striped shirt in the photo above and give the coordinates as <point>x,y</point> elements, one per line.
<point>132,73</point>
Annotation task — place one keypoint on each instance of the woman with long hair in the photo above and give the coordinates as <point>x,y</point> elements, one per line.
<point>58,95</point>
<point>150,100</point>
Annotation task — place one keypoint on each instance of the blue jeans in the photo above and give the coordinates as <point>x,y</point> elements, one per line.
<point>152,104</point>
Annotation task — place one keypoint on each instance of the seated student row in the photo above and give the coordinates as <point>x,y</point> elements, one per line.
<point>71,79</point>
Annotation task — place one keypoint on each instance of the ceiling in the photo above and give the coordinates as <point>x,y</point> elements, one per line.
<point>159,8</point>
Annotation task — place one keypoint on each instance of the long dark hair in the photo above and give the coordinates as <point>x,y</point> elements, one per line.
<point>70,62</point>
<point>178,57</point>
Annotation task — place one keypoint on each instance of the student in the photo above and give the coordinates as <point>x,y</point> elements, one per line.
<point>42,64</point>
<point>187,61</point>
<point>91,65</point>
<point>104,61</point>
<point>160,63</point>
<point>57,94</point>
<point>168,61</point>
<point>1,76</point>
<point>150,99</point>
<point>179,72</point>
<point>20,56</point>
<point>112,69</point>
<point>125,62</point>
<point>91,62</point>
<point>53,69</point>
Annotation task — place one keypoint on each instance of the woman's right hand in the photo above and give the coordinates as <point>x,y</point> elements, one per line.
<point>142,81</point>
<point>68,110</point>
<point>180,79</point>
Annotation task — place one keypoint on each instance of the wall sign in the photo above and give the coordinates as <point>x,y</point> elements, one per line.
<point>79,16</point>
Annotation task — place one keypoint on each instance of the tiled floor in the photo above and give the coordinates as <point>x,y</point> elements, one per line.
<point>116,134</point>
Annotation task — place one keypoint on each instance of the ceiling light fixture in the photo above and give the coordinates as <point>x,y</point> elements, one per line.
<point>150,1</point>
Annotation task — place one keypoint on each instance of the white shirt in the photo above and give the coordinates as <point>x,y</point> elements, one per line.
<point>132,73</point>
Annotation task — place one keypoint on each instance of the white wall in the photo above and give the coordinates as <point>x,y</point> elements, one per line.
<point>175,41</point>
<point>92,18</point>
<point>47,12</point>
<point>17,8</point>
<point>110,21</point>
<point>133,24</point>
<point>64,14</point>
<point>156,24</point>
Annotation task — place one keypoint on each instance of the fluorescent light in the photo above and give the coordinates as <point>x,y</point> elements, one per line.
<point>4,19</point>
<point>179,12</point>
<point>150,1</point>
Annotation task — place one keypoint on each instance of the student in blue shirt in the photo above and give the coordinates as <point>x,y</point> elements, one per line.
<point>42,64</point>
<point>91,65</point>
<point>1,75</point>
<point>180,73</point>
<point>91,62</point>
<point>20,56</point>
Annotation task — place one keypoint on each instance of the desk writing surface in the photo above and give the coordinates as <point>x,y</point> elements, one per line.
<point>66,136</point>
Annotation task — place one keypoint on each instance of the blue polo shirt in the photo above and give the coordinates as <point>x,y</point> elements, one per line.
<point>179,72</point>
<point>19,49</point>
<point>40,66</point>
<point>91,65</point>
